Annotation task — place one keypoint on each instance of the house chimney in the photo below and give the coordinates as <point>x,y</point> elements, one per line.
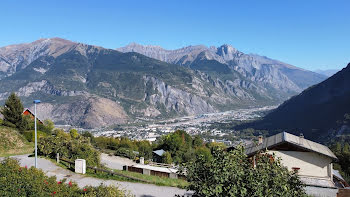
<point>260,139</point>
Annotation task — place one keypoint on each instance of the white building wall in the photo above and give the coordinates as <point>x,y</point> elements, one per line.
<point>311,164</point>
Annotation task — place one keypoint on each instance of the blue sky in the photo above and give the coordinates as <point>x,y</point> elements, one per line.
<point>306,33</point>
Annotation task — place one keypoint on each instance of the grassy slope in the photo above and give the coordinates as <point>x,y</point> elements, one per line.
<point>13,143</point>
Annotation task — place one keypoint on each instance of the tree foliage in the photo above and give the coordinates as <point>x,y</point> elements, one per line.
<point>12,112</point>
<point>21,181</point>
<point>124,146</point>
<point>69,147</point>
<point>167,158</point>
<point>231,174</point>
<point>181,146</point>
<point>341,150</point>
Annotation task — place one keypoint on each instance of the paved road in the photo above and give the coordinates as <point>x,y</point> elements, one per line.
<point>138,189</point>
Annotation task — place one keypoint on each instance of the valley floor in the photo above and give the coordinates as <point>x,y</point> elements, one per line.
<point>138,189</point>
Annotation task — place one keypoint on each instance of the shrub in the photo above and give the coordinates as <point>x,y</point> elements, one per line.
<point>125,152</point>
<point>69,148</point>
<point>166,158</point>
<point>22,181</point>
<point>47,126</point>
<point>231,174</point>
<point>30,135</point>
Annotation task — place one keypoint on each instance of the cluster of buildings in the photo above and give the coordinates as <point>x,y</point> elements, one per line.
<point>313,162</point>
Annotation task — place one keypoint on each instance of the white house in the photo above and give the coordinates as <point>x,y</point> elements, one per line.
<point>312,160</point>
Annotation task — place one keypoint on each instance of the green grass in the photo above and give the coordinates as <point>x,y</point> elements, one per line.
<point>13,143</point>
<point>27,149</point>
<point>161,181</point>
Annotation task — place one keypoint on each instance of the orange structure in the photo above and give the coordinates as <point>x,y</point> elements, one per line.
<point>27,112</point>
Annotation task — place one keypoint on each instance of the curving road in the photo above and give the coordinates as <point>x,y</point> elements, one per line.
<point>138,189</point>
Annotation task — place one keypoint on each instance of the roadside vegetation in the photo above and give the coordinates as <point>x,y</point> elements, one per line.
<point>156,180</point>
<point>122,146</point>
<point>22,181</point>
<point>13,143</point>
<point>179,147</point>
<point>233,174</point>
<point>17,130</point>
<point>209,168</point>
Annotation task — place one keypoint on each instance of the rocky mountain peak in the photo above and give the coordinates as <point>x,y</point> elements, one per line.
<point>19,56</point>
<point>227,52</point>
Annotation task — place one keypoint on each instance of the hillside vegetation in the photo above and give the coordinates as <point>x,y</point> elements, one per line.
<point>315,112</point>
<point>12,142</point>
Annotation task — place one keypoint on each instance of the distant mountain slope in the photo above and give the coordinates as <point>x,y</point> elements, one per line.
<point>263,70</point>
<point>327,73</point>
<point>315,110</point>
<point>90,86</point>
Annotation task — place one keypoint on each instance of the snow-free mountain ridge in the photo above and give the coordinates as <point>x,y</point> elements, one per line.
<point>90,86</point>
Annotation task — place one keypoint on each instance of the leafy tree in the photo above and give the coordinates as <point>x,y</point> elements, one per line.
<point>49,126</point>
<point>74,133</point>
<point>197,141</point>
<point>204,152</point>
<point>341,149</point>
<point>125,152</point>
<point>12,112</point>
<point>145,149</point>
<point>179,145</point>
<point>337,149</point>
<point>127,143</point>
<point>231,174</point>
<point>89,135</point>
<point>69,147</point>
<point>46,127</point>
<point>167,158</point>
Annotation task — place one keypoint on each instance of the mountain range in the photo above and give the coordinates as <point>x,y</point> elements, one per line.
<point>318,112</point>
<point>260,69</point>
<point>90,86</point>
<point>327,72</point>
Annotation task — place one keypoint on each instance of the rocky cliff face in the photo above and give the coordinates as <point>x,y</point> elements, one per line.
<point>85,111</point>
<point>256,68</point>
<point>17,57</point>
<point>90,86</point>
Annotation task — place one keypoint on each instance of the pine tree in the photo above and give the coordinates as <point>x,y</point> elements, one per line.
<point>12,112</point>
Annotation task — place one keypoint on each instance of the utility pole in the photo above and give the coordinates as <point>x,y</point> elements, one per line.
<point>36,141</point>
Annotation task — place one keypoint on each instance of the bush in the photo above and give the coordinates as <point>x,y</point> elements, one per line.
<point>125,152</point>
<point>143,147</point>
<point>232,174</point>
<point>69,148</point>
<point>21,181</point>
<point>166,158</point>
<point>47,126</point>
<point>30,135</point>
